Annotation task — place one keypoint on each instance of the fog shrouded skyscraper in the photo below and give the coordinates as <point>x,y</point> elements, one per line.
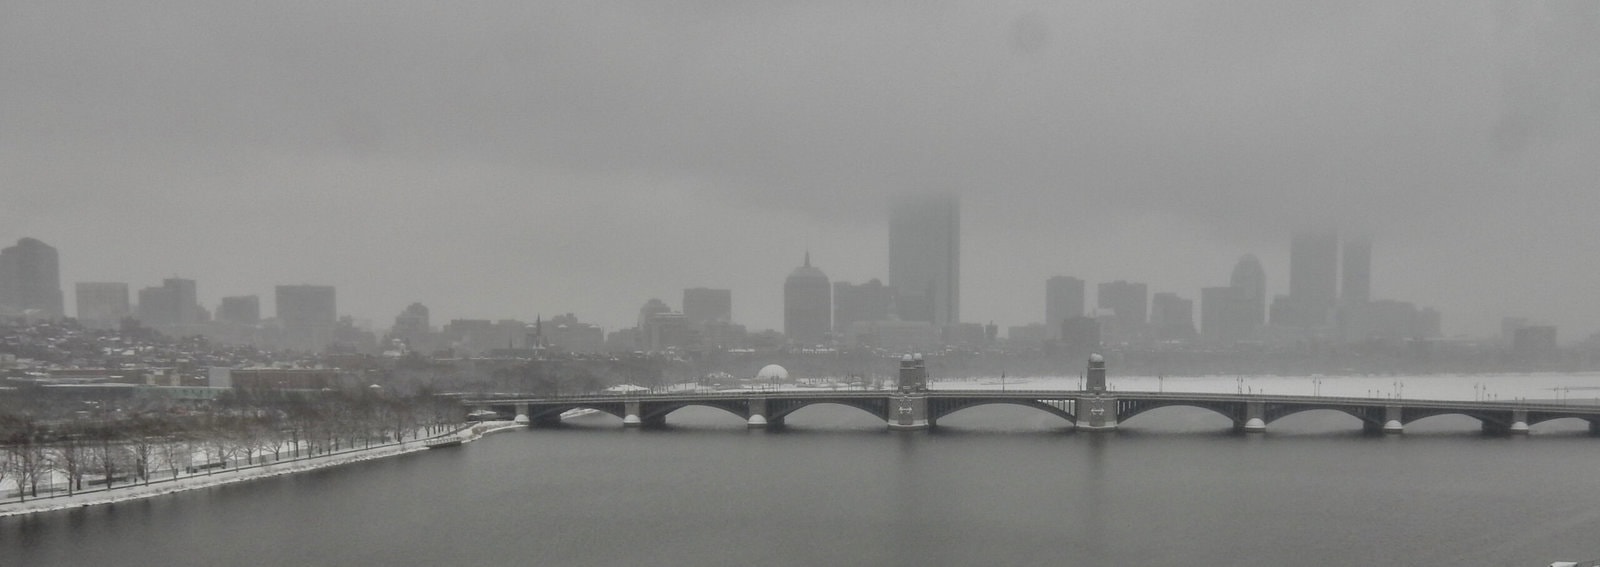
<point>240,309</point>
<point>1130,301</point>
<point>1063,299</point>
<point>1251,281</point>
<point>1171,317</point>
<point>925,258</point>
<point>173,308</point>
<point>1356,273</point>
<point>102,305</point>
<point>703,305</point>
<point>30,278</point>
<point>807,304</point>
<point>308,314</point>
<point>1313,277</point>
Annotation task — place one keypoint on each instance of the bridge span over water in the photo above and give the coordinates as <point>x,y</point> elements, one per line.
<point>1087,410</point>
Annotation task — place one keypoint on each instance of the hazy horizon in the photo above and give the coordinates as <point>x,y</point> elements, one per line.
<point>510,160</point>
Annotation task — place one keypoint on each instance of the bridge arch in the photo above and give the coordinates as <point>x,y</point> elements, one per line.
<point>1489,419</point>
<point>1541,418</point>
<point>939,408</point>
<point>656,411</point>
<point>1369,416</point>
<point>535,413</point>
<point>1232,410</point>
<point>778,408</point>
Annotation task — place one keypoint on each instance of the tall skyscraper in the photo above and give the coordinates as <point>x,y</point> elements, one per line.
<point>807,305</point>
<point>1251,282</point>
<point>1172,317</point>
<point>650,309</point>
<point>102,305</point>
<point>240,309</point>
<point>30,278</point>
<point>1313,277</point>
<point>703,305</point>
<point>860,302</point>
<point>1356,273</point>
<point>1129,300</point>
<point>925,258</point>
<point>308,314</point>
<point>1063,299</point>
<point>1129,303</point>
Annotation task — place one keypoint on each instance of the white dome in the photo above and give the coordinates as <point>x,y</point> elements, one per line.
<point>772,372</point>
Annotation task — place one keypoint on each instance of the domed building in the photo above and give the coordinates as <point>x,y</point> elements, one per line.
<point>807,305</point>
<point>772,372</point>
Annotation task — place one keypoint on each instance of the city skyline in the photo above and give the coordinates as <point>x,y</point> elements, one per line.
<point>1129,308</point>
<point>1105,142</point>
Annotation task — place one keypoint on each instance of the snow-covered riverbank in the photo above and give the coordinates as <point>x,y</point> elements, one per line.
<point>216,478</point>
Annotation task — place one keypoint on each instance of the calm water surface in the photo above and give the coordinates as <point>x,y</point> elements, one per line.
<point>994,485</point>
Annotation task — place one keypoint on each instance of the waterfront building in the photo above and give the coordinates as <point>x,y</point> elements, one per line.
<point>567,334</point>
<point>240,310</point>
<point>1251,280</point>
<point>703,305</point>
<point>102,305</point>
<point>870,301</point>
<point>925,258</point>
<point>1080,336</point>
<point>1128,303</point>
<point>1171,317</point>
<point>894,335</point>
<point>307,314</point>
<point>1313,278</point>
<point>30,279</point>
<point>667,330</point>
<point>1032,335</point>
<point>1063,299</point>
<point>1534,342</point>
<point>174,308</point>
<point>807,305</point>
<point>650,309</point>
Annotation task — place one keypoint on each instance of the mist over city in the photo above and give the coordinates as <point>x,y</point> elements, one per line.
<point>507,162</point>
<point>704,282</point>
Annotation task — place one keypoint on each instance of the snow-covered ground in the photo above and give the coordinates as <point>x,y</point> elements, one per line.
<point>202,480</point>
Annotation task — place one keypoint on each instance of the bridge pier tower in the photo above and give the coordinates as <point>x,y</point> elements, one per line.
<point>1099,411</point>
<point>908,411</point>
<point>1594,427</point>
<point>630,412</point>
<point>1391,420</point>
<point>522,414</point>
<point>758,413</point>
<point>1255,413</point>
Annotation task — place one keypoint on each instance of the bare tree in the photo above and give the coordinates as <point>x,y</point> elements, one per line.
<point>176,452</point>
<point>68,457</point>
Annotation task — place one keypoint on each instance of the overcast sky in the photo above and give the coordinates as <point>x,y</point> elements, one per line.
<point>512,159</point>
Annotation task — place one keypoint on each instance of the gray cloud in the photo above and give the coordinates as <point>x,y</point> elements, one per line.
<point>513,158</point>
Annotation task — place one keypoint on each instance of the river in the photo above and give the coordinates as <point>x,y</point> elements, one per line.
<point>996,485</point>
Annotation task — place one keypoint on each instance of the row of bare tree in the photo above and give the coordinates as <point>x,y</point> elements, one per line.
<point>55,452</point>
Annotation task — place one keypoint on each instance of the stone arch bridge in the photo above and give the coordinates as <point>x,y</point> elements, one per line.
<point>1085,410</point>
